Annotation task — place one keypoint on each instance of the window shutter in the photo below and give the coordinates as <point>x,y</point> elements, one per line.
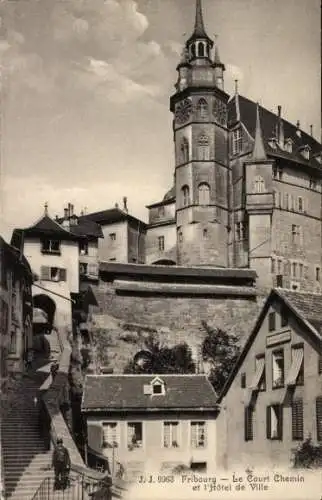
<point>268,422</point>
<point>280,422</point>
<point>297,419</point>
<point>248,420</point>
<point>62,274</point>
<point>45,273</point>
<point>319,418</point>
<point>320,364</point>
<point>95,436</point>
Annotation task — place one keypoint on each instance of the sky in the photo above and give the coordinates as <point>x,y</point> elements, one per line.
<point>86,84</point>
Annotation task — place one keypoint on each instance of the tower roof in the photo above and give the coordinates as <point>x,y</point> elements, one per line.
<point>199,29</point>
<point>217,60</point>
<point>259,149</point>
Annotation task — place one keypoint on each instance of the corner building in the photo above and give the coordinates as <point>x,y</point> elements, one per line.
<point>247,183</point>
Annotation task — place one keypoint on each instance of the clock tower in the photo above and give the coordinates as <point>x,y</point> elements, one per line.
<point>199,106</point>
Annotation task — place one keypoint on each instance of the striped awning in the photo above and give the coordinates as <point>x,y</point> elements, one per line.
<point>258,374</point>
<point>297,360</point>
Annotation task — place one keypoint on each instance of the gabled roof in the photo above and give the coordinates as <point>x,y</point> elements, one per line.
<point>45,227</point>
<point>126,392</point>
<point>111,216</point>
<point>307,307</point>
<point>268,122</point>
<point>10,255</point>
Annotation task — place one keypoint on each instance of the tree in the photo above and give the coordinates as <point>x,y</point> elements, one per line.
<point>158,358</point>
<point>221,350</point>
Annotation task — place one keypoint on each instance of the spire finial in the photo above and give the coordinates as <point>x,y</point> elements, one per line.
<point>259,153</point>
<point>46,208</point>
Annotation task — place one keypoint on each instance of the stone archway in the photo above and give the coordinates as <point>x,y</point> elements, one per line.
<point>46,304</point>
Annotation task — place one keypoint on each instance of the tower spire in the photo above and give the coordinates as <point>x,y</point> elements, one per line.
<point>199,30</point>
<point>259,153</point>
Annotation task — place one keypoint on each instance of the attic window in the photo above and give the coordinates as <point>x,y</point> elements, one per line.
<point>157,386</point>
<point>289,145</point>
<point>306,152</point>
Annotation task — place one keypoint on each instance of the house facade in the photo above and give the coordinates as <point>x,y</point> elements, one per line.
<point>90,234</point>
<point>272,401</point>
<point>123,235</point>
<point>247,183</point>
<point>53,254</point>
<point>15,309</point>
<point>150,422</point>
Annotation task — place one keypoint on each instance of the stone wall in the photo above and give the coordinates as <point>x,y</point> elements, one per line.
<point>181,315</point>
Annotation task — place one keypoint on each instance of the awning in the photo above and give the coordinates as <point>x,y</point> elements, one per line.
<point>258,374</point>
<point>297,360</point>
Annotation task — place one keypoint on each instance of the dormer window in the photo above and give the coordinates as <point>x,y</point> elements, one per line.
<point>157,386</point>
<point>289,145</point>
<point>318,157</point>
<point>273,142</point>
<point>305,152</point>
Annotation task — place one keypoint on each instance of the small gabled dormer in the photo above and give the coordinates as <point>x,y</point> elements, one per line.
<point>318,157</point>
<point>305,151</point>
<point>288,146</point>
<point>273,142</point>
<point>155,388</point>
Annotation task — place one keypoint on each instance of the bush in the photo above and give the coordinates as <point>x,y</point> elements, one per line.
<point>307,455</point>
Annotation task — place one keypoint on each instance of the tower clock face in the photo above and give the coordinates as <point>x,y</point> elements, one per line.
<point>220,112</point>
<point>183,111</point>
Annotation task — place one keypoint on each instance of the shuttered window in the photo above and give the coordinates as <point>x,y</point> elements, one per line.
<point>274,422</point>
<point>248,421</point>
<point>319,418</point>
<point>53,273</point>
<point>297,420</point>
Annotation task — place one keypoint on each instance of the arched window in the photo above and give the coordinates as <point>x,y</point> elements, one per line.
<point>193,50</point>
<point>184,150</point>
<point>202,109</point>
<point>185,195</point>
<point>259,184</point>
<point>201,49</point>
<point>203,193</point>
<point>203,148</point>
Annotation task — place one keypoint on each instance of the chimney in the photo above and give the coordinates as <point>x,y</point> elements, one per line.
<point>311,130</point>
<point>298,132</point>
<point>280,127</point>
<point>125,204</point>
<point>65,213</point>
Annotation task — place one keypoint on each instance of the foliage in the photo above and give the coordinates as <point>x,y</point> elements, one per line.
<point>221,350</point>
<point>162,359</point>
<point>307,455</point>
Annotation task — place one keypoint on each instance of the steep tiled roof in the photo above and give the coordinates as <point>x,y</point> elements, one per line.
<point>111,216</point>
<point>268,124</point>
<point>44,227</point>
<point>307,307</point>
<point>123,392</point>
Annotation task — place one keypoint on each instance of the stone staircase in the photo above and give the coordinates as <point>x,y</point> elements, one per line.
<point>25,458</point>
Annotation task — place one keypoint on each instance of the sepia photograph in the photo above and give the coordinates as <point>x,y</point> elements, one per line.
<point>160,250</point>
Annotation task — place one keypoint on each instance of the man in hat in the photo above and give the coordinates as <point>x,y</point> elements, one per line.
<point>61,464</point>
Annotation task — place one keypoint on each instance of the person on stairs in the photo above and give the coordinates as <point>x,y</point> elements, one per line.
<point>61,464</point>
